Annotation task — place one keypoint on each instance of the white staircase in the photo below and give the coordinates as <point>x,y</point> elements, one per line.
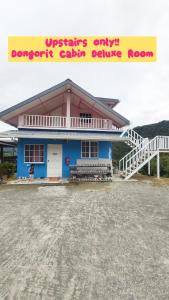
<point>134,139</point>
<point>142,153</point>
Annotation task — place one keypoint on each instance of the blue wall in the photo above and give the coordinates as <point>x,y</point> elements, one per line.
<point>71,149</point>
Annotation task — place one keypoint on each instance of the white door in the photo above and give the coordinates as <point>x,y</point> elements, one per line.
<point>54,160</point>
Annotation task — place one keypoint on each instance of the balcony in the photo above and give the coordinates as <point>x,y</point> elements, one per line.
<point>60,122</point>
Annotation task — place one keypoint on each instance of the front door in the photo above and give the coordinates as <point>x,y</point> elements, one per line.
<point>54,160</point>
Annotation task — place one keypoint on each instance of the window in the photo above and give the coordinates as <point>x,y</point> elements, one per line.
<point>34,153</point>
<point>89,149</point>
<point>86,116</point>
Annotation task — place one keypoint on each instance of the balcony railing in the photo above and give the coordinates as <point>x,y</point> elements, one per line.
<point>40,121</point>
<point>90,123</point>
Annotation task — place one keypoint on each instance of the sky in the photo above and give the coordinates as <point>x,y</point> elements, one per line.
<point>142,88</point>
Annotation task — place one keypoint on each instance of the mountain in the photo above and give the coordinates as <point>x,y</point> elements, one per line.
<point>151,130</point>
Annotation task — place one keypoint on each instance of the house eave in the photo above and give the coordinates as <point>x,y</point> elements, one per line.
<point>32,134</point>
<point>108,101</point>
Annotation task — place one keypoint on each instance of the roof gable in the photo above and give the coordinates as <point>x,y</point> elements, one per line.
<point>104,104</point>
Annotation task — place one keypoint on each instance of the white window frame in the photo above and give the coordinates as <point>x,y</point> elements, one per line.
<point>90,149</point>
<point>34,162</point>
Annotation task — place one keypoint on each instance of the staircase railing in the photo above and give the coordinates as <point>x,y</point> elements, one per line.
<point>139,156</point>
<point>134,138</point>
<point>133,162</point>
<point>122,161</point>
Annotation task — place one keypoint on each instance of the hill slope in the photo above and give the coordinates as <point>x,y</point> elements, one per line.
<point>151,130</point>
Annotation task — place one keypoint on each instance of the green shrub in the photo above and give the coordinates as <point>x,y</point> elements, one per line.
<point>7,169</point>
<point>115,163</point>
<point>164,166</point>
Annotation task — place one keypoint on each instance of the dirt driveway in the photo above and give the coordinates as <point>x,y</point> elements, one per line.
<point>91,241</point>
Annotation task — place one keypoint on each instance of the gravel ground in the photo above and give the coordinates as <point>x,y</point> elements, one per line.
<point>90,241</point>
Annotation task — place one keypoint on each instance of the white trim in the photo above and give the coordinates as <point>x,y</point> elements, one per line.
<point>73,129</point>
<point>32,134</point>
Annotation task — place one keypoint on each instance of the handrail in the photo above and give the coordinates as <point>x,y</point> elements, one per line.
<point>123,159</point>
<point>142,153</point>
<point>153,145</point>
<point>43,121</point>
<point>129,154</point>
<point>132,133</point>
<point>137,140</point>
<point>145,153</point>
<point>98,123</point>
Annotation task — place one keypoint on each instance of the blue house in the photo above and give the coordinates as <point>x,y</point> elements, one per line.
<point>61,125</point>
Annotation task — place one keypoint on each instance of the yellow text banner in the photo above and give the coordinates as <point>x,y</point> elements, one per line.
<point>81,49</point>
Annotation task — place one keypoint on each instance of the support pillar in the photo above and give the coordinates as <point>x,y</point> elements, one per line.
<point>149,168</point>
<point>68,100</point>
<point>158,165</point>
